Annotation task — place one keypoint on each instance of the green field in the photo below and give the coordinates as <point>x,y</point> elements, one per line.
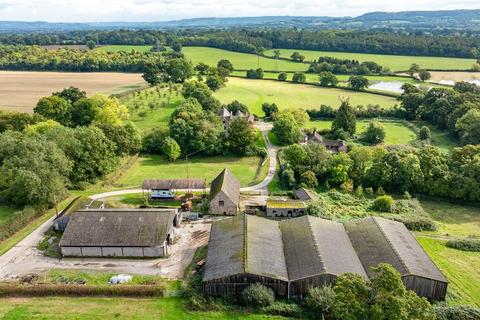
<point>395,63</point>
<point>157,167</point>
<point>460,268</point>
<point>396,131</point>
<point>211,56</point>
<point>439,138</point>
<point>254,93</point>
<point>62,308</point>
<point>454,219</point>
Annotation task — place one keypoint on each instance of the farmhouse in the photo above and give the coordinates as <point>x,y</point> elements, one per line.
<point>120,233</point>
<point>165,188</point>
<point>226,117</point>
<point>290,256</point>
<point>285,208</point>
<point>224,194</point>
<point>334,146</point>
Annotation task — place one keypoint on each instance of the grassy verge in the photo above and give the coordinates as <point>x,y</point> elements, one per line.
<point>460,268</point>
<point>17,237</point>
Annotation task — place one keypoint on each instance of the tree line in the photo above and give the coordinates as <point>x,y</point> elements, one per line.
<point>250,40</point>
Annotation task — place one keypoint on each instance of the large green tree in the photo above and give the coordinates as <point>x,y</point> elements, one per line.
<point>286,128</point>
<point>55,108</point>
<point>345,119</point>
<point>240,137</point>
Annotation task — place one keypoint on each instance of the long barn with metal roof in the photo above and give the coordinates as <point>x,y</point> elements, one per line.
<point>293,255</point>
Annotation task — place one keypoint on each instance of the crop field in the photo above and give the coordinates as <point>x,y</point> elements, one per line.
<point>64,308</point>
<point>254,93</point>
<point>394,62</point>
<point>117,48</point>
<point>156,167</point>
<point>396,131</point>
<point>438,76</point>
<point>20,91</point>
<point>460,268</point>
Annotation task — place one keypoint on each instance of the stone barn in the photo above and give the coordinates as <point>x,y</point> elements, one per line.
<point>293,255</point>
<point>285,208</point>
<point>224,194</point>
<point>119,233</point>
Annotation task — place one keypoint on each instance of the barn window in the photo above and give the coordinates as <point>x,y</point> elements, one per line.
<point>221,203</point>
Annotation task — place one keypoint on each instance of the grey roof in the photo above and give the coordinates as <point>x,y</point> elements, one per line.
<point>305,194</point>
<point>224,113</point>
<point>377,240</point>
<point>172,184</point>
<point>308,246</point>
<point>225,182</point>
<point>118,227</point>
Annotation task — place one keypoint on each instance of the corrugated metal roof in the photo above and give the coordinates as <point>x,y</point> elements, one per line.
<point>285,204</point>
<point>118,227</point>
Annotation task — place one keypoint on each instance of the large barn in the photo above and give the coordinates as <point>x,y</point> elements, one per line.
<point>293,255</point>
<point>119,233</point>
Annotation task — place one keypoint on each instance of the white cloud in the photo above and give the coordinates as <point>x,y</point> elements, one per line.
<point>158,10</point>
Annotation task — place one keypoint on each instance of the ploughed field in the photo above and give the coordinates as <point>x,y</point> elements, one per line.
<point>254,93</point>
<point>20,91</point>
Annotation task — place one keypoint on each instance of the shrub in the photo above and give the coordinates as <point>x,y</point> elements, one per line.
<point>374,134</point>
<point>320,300</point>
<point>464,244</point>
<point>424,133</point>
<point>284,309</point>
<point>383,203</point>
<point>308,179</point>
<point>257,295</point>
<point>417,224</point>
<point>282,76</point>
<point>445,312</point>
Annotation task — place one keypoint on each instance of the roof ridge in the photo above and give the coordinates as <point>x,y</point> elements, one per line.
<point>390,244</point>
<point>315,243</point>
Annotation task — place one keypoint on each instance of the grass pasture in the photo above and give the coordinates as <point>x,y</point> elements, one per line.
<point>394,62</point>
<point>460,268</point>
<point>396,131</point>
<point>157,167</point>
<point>20,91</point>
<point>254,93</point>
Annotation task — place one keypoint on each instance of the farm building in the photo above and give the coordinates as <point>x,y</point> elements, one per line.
<point>305,194</point>
<point>379,240</point>
<point>334,146</point>
<point>165,188</point>
<point>293,255</point>
<point>224,194</point>
<point>285,208</point>
<point>120,233</point>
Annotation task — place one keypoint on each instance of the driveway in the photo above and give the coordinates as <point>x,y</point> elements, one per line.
<point>25,258</point>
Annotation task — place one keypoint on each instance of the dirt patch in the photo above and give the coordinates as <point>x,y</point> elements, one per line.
<point>20,91</point>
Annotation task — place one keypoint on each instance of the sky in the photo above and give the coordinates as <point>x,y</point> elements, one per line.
<point>162,10</point>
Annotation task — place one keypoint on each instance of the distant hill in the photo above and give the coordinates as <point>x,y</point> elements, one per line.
<point>424,20</point>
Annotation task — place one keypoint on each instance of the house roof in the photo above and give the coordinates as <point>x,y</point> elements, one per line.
<point>118,227</point>
<point>172,184</point>
<point>305,194</point>
<point>308,246</point>
<point>224,113</point>
<point>378,240</point>
<point>225,182</point>
<point>285,204</point>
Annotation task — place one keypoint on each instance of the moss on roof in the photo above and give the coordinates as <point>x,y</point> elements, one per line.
<point>285,204</point>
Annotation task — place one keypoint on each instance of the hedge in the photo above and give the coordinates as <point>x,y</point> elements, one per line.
<point>43,290</point>
<point>464,244</point>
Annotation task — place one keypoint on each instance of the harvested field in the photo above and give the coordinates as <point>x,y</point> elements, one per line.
<point>451,77</point>
<point>20,91</point>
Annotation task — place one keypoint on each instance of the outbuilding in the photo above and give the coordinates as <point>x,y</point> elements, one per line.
<point>224,194</point>
<point>119,233</point>
<point>285,208</point>
<point>160,189</point>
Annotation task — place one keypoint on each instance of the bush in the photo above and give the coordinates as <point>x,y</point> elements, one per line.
<point>445,312</point>
<point>424,133</point>
<point>383,203</point>
<point>257,295</point>
<point>282,76</point>
<point>284,309</point>
<point>417,224</point>
<point>320,300</point>
<point>374,134</point>
<point>464,244</point>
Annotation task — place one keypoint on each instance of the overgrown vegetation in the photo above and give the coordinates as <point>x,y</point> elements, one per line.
<point>464,244</point>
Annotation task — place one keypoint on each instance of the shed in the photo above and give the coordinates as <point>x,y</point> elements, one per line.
<point>285,208</point>
<point>224,194</point>
<point>305,194</point>
<point>119,233</point>
<point>377,240</point>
